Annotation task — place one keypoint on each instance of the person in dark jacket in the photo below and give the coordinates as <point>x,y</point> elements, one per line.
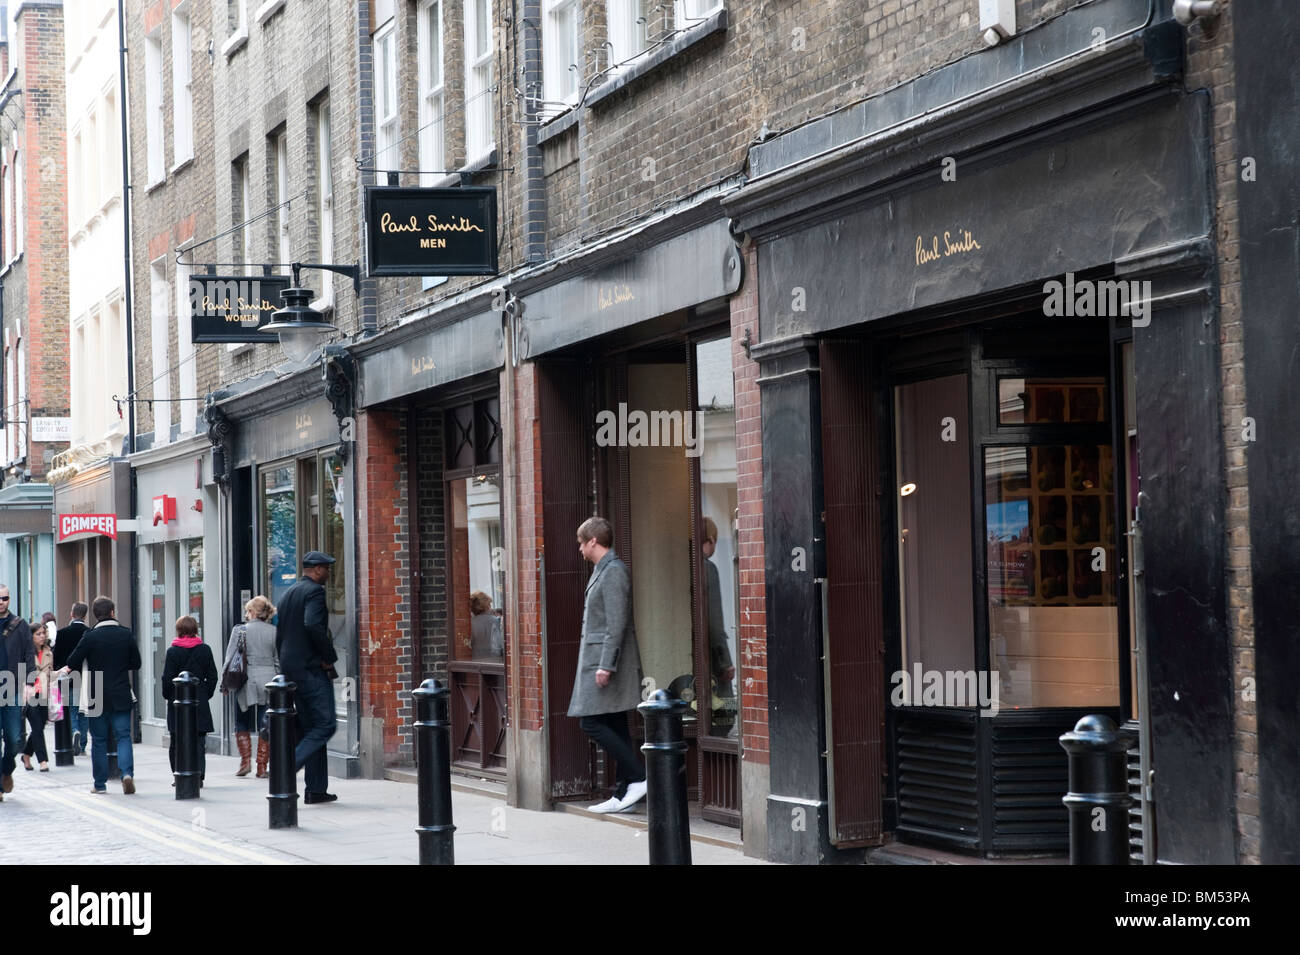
<point>17,658</point>
<point>65,641</point>
<point>307,656</point>
<point>189,652</point>
<point>110,650</point>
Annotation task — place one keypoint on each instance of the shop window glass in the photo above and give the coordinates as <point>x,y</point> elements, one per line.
<point>193,551</point>
<point>158,623</point>
<point>1050,545</point>
<point>279,531</point>
<point>934,527</point>
<point>1051,401</point>
<point>478,572</point>
<point>719,566</point>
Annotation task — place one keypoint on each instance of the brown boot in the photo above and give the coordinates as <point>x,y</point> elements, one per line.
<point>245,743</point>
<point>263,757</point>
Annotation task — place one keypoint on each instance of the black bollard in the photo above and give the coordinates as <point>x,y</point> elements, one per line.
<point>63,755</point>
<point>185,741</point>
<point>433,756</point>
<point>283,797</point>
<point>1098,799</point>
<point>665,766</point>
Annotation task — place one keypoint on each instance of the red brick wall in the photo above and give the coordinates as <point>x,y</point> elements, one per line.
<point>383,615</point>
<point>749,495</point>
<point>527,629</point>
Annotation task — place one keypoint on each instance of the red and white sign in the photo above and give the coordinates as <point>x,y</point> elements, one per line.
<point>70,524</point>
<point>164,509</point>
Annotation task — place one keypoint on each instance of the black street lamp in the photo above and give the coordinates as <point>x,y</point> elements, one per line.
<point>301,328</point>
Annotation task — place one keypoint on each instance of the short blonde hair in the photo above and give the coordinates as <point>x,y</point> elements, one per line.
<point>259,607</point>
<point>479,602</point>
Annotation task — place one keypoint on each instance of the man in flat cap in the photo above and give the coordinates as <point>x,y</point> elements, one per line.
<point>307,657</point>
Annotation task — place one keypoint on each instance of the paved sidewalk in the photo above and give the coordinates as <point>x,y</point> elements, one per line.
<point>372,822</point>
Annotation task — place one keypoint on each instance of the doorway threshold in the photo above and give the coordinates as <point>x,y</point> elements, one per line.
<point>898,853</point>
<point>702,831</point>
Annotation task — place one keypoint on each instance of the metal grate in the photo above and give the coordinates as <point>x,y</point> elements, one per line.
<point>1134,768</point>
<point>1030,775</point>
<point>938,796</point>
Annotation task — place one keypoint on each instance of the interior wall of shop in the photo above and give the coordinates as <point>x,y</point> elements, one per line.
<point>1268,116</point>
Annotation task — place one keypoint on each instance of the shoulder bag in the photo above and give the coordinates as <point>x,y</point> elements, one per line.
<point>235,673</point>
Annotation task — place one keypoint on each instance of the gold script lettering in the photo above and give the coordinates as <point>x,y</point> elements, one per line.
<point>387,224</point>
<point>460,225</point>
<point>964,242</point>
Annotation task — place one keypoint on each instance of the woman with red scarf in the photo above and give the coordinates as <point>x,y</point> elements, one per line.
<point>189,652</point>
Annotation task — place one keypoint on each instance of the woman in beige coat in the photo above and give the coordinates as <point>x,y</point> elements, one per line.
<point>263,665</point>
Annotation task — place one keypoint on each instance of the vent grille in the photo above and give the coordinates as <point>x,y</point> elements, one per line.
<point>938,796</point>
<point>1030,777</point>
<point>1135,811</point>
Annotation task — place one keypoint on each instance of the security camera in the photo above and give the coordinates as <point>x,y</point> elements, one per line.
<point>1186,11</point>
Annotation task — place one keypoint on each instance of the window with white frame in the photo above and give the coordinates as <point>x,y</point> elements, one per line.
<point>628,25</point>
<point>432,128</point>
<point>110,146</point>
<point>93,345</point>
<point>76,202</point>
<point>11,388</point>
<point>241,212</point>
<point>160,371</point>
<point>111,377</point>
<point>7,187</point>
<point>21,410</point>
<point>690,12</point>
<point>561,71</point>
<point>324,202</point>
<point>182,91</point>
<point>387,156</point>
<point>283,248</point>
<point>186,375</point>
<point>478,79</point>
<point>20,204</point>
<point>90,170</point>
<point>153,105</point>
<point>77,377</point>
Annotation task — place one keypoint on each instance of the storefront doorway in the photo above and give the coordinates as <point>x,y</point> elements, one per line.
<point>1003,609</point>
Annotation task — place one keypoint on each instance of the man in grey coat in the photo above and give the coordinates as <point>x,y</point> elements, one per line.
<point>608,681</point>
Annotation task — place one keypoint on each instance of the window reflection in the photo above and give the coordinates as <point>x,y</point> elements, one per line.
<point>478,569</point>
<point>719,562</point>
<point>279,529</point>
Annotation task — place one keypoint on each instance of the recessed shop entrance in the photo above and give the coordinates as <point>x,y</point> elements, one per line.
<point>997,493</point>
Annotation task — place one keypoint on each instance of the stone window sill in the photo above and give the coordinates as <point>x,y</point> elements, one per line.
<point>236,41</point>
<point>557,126</point>
<point>267,10</point>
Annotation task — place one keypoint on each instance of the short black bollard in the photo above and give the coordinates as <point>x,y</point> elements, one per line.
<point>63,754</point>
<point>433,756</point>
<point>185,732</point>
<point>665,766</point>
<point>1098,799</point>
<point>283,797</point>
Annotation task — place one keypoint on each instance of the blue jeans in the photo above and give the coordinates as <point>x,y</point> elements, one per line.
<point>315,702</point>
<point>80,723</point>
<point>11,737</point>
<point>120,720</point>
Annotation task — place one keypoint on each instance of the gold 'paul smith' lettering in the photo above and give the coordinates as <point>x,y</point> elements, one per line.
<point>238,311</point>
<point>390,226</point>
<point>615,295</point>
<point>964,242</point>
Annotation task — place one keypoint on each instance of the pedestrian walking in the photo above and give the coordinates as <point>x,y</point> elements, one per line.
<point>262,663</point>
<point>66,641</point>
<point>307,657</point>
<point>109,648</point>
<point>608,681</point>
<point>39,700</point>
<point>17,654</point>
<point>189,652</point>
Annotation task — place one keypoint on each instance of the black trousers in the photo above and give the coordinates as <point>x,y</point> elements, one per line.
<point>609,730</point>
<point>37,716</point>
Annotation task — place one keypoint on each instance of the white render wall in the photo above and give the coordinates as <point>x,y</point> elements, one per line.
<point>97,319</point>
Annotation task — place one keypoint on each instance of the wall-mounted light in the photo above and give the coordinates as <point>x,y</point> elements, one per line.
<point>1188,11</point>
<point>300,328</point>
<point>906,489</point>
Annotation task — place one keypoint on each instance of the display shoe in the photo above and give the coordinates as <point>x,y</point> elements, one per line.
<point>263,758</point>
<point>245,743</point>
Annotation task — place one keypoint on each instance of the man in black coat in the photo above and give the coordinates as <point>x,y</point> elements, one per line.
<point>110,650</point>
<point>307,656</point>
<point>65,641</point>
<point>17,662</point>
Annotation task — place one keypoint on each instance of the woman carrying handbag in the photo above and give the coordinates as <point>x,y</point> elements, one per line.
<point>254,640</point>
<point>37,708</point>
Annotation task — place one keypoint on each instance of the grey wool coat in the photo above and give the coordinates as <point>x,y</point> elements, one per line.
<point>263,661</point>
<point>608,643</point>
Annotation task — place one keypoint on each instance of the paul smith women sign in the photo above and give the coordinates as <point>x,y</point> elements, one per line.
<point>432,231</point>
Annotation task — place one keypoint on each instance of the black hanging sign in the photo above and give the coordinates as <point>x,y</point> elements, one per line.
<point>231,308</point>
<point>432,231</point>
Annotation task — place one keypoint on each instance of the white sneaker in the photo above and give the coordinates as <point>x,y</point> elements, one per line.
<point>635,793</point>
<point>609,805</point>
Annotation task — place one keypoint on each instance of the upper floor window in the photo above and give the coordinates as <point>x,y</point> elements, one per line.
<point>153,105</point>
<point>241,212</point>
<point>432,127</point>
<point>628,25</point>
<point>182,91</point>
<point>387,156</point>
<point>561,70</point>
<point>324,201</point>
<point>284,249</point>
<point>478,79</point>
<point>687,13</point>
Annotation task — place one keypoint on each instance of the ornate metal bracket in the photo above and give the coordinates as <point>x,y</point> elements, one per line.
<point>340,388</point>
<point>221,435</point>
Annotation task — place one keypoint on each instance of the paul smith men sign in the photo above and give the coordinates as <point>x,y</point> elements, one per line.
<point>231,308</point>
<point>432,231</point>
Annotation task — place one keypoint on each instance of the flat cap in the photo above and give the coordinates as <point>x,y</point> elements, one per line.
<point>315,558</point>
